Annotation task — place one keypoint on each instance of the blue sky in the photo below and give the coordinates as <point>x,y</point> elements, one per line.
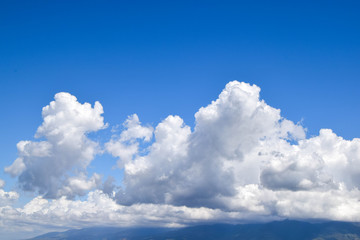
<point>304,56</point>
<point>172,57</point>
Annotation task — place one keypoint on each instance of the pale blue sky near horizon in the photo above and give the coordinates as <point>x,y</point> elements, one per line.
<point>160,58</point>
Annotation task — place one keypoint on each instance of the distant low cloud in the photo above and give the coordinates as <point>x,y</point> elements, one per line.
<point>6,198</point>
<point>2,183</point>
<point>100,210</point>
<point>242,161</point>
<point>45,166</point>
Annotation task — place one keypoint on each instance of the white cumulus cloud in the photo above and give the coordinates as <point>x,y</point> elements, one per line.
<point>241,162</point>
<point>195,168</point>
<point>46,165</point>
<point>243,156</point>
<point>126,146</point>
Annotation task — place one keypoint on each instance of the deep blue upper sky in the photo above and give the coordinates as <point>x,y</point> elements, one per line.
<point>156,58</point>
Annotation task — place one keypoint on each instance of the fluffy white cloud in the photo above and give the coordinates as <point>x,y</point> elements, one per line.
<point>195,168</point>
<point>126,146</point>
<point>80,185</point>
<point>7,198</point>
<point>148,178</point>
<point>242,161</point>
<point>243,156</point>
<point>323,162</point>
<point>45,166</point>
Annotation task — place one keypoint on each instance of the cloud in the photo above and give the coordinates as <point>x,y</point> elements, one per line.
<point>195,168</point>
<point>7,198</point>
<point>126,146</point>
<point>99,209</point>
<point>252,203</point>
<point>323,162</point>
<point>147,178</point>
<point>243,156</point>
<point>80,185</point>
<point>241,162</point>
<point>55,166</point>
<point>2,183</point>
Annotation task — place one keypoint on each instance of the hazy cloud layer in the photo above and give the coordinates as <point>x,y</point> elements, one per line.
<point>252,203</point>
<point>2,183</point>
<point>7,198</point>
<point>242,162</point>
